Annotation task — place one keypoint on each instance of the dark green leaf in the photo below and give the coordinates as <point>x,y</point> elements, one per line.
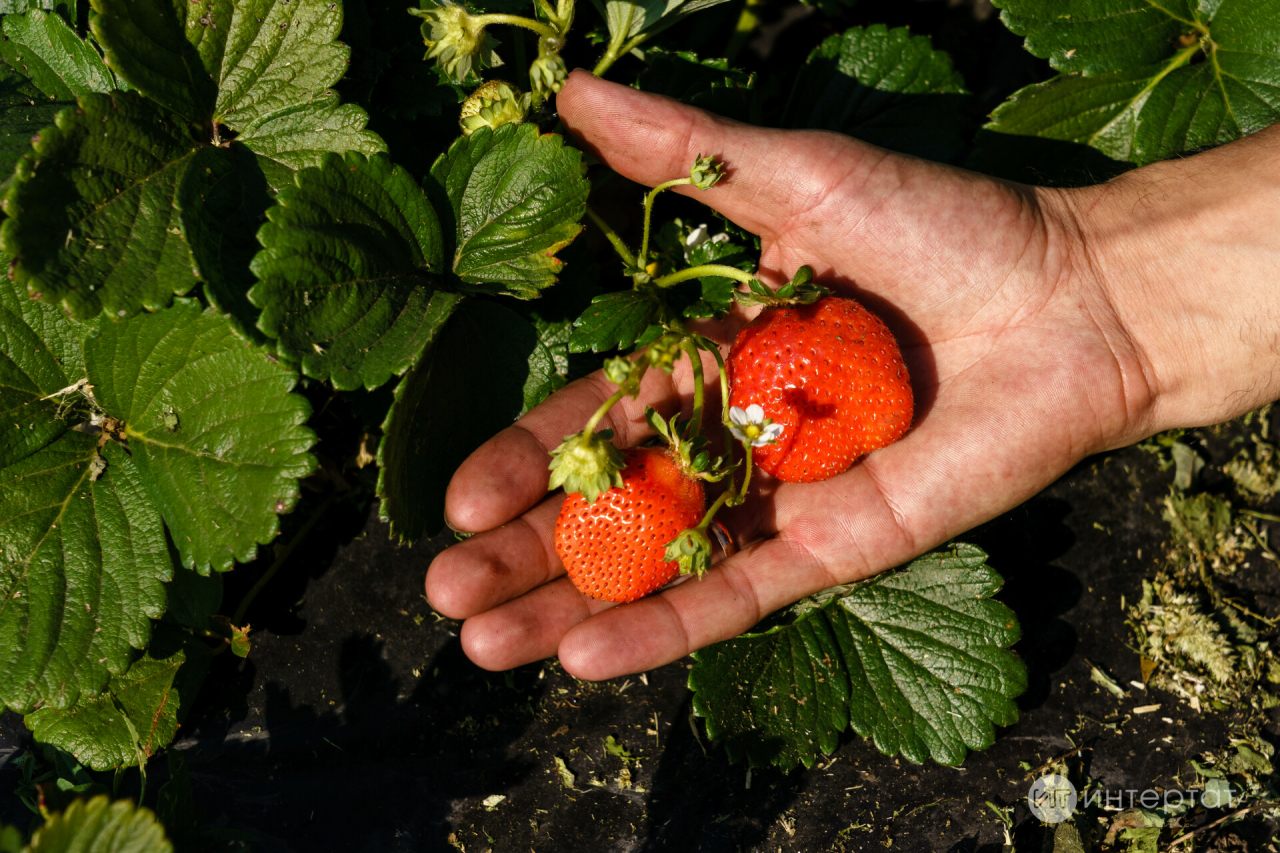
<point>82,573</point>
<point>707,83</point>
<point>278,55</point>
<point>18,123</point>
<point>193,598</point>
<point>101,826</point>
<point>883,86</point>
<point>93,220</point>
<point>232,461</point>
<point>468,386</point>
<point>1110,35</point>
<point>509,200</point>
<point>154,46</point>
<point>10,840</point>
<point>39,355</point>
<point>614,321</point>
<point>1158,79</point>
<point>627,19</point>
<point>138,712</point>
<point>222,201</point>
<point>41,47</point>
<point>916,659</point>
<point>298,136</point>
<point>344,280</point>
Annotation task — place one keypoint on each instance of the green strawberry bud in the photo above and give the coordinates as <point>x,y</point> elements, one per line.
<point>548,73</point>
<point>586,464</point>
<point>664,352</point>
<point>691,550</point>
<point>456,40</point>
<point>492,105</point>
<point>706,172</point>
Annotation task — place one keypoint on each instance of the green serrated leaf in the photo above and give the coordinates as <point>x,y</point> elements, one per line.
<point>298,136</point>
<point>240,446</point>
<point>19,122</point>
<point>261,69</point>
<point>614,321</point>
<point>509,199</point>
<point>278,55</point>
<point>344,276</point>
<point>1155,80</point>
<point>466,388</point>
<point>41,47</point>
<point>40,355</point>
<point>887,87</point>
<point>154,694</point>
<point>149,43</point>
<point>193,598</point>
<point>101,826</point>
<point>916,659</point>
<point>93,223</point>
<point>222,200</point>
<point>627,19</point>
<point>82,571</point>
<point>1099,36</point>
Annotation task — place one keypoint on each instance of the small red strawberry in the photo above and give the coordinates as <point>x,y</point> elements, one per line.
<point>614,549</point>
<point>831,375</point>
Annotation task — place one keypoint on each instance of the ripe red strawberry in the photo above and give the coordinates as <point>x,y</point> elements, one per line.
<point>831,375</point>
<point>614,549</point>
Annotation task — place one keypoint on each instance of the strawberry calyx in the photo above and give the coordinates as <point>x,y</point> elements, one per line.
<point>691,550</point>
<point>799,291</point>
<point>689,449</point>
<point>586,463</point>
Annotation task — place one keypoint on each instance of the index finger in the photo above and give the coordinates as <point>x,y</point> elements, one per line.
<point>508,473</point>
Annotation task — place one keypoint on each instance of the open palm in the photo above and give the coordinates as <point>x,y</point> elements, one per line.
<point>1018,360</point>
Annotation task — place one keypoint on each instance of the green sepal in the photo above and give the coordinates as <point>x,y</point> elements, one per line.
<point>799,291</point>
<point>586,464</point>
<point>706,172</point>
<point>691,550</point>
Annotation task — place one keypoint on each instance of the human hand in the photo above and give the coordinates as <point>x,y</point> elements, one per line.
<point>1021,353</point>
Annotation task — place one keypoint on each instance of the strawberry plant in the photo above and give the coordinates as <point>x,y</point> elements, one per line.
<point>265,256</point>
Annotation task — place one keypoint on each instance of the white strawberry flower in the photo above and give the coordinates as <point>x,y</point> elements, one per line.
<point>702,234</point>
<point>749,425</point>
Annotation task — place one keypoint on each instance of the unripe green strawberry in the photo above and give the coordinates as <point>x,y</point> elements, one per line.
<point>615,549</point>
<point>831,375</point>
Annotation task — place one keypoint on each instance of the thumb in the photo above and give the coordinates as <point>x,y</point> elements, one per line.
<point>773,179</point>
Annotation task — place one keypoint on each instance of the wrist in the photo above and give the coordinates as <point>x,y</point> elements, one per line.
<point>1187,255</point>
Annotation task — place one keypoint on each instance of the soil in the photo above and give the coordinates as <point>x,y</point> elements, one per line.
<point>357,724</point>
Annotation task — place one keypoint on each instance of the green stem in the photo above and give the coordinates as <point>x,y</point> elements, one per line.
<point>617,50</point>
<point>517,21</point>
<point>715,507</point>
<point>701,270</point>
<point>613,238</point>
<point>608,404</point>
<point>643,257</point>
<point>746,476</point>
<point>281,556</point>
<point>695,361</point>
<point>546,9</point>
<point>729,440</point>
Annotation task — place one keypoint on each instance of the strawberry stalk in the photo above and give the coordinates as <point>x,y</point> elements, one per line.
<point>612,236</point>
<point>704,174</point>
<point>516,21</point>
<point>704,270</point>
<point>695,361</point>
